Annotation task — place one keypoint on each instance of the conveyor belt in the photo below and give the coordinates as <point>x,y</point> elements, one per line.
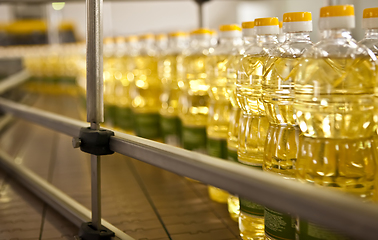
<point>143,201</point>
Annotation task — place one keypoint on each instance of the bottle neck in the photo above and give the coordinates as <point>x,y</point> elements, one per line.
<point>336,34</point>
<point>177,43</point>
<point>297,36</point>
<point>267,38</point>
<point>230,41</point>
<point>371,33</point>
<point>249,39</point>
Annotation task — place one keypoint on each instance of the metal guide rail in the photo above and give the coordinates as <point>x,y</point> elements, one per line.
<point>333,209</point>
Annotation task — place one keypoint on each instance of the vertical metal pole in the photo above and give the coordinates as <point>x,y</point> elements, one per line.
<point>95,102</point>
<point>200,15</point>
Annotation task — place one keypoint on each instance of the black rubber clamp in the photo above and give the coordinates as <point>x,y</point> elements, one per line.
<point>95,142</point>
<point>88,232</point>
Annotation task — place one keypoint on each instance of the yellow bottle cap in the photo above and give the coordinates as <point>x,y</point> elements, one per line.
<point>146,36</point>
<point>248,24</point>
<point>297,17</point>
<point>120,39</point>
<point>280,24</point>
<point>230,27</point>
<point>177,34</point>
<point>271,21</point>
<point>131,38</point>
<point>108,40</point>
<point>161,36</point>
<point>370,13</point>
<point>201,31</point>
<point>337,11</point>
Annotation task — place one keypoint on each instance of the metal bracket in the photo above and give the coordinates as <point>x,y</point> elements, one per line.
<point>94,141</point>
<point>89,232</point>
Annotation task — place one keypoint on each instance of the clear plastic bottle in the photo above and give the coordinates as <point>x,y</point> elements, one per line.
<point>220,105</point>
<point>370,24</point>
<point>194,95</point>
<point>110,106</point>
<point>254,123</point>
<point>334,106</point>
<point>249,36</point>
<point>146,90</point>
<point>281,147</point>
<point>127,49</point>
<point>171,73</point>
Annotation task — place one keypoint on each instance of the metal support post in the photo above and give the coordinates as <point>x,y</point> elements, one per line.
<point>200,12</point>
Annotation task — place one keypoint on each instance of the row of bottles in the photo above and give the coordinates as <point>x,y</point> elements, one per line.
<point>308,113</point>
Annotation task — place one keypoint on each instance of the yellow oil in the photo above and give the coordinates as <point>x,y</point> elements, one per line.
<point>171,71</point>
<point>252,132</point>
<point>334,97</point>
<point>194,102</point>
<point>233,207</point>
<point>145,92</point>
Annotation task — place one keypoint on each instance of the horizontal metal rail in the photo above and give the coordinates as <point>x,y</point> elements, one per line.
<point>13,80</point>
<point>320,205</point>
<point>68,207</point>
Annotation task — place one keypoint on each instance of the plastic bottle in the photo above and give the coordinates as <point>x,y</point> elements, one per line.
<point>195,98</point>
<point>370,24</point>
<point>281,35</point>
<point>127,49</point>
<point>281,149</point>
<point>249,37</point>
<point>220,105</point>
<point>334,106</point>
<point>146,90</point>
<point>254,123</point>
<point>171,73</point>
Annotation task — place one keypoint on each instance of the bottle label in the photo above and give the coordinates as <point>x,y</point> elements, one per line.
<point>311,231</point>
<point>147,125</point>
<point>251,208</point>
<point>170,129</point>
<point>217,147</point>
<point>232,155</point>
<point>279,225</point>
<point>124,118</point>
<point>109,114</point>
<point>194,138</point>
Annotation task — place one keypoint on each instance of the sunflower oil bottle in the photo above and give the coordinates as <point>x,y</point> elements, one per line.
<point>109,82</point>
<point>194,95</point>
<point>254,123</point>
<point>171,73</point>
<point>281,149</point>
<point>334,106</point>
<point>126,51</point>
<point>370,24</point>
<point>146,90</point>
<point>233,128</point>
<point>220,105</point>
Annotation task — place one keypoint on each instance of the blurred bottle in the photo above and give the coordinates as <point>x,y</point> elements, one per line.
<point>254,123</point>
<point>220,105</point>
<point>109,60</point>
<point>171,72</point>
<point>370,24</point>
<point>195,98</point>
<point>278,96</point>
<point>334,106</point>
<point>146,90</point>
<point>161,43</point>
<point>126,51</point>
<point>249,36</point>
<point>281,35</point>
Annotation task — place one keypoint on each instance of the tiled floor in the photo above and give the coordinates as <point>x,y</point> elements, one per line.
<point>145,202</point>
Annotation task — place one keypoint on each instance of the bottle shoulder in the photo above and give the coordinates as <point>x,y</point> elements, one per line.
<point>370,43</point>
<point>338,48</point>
